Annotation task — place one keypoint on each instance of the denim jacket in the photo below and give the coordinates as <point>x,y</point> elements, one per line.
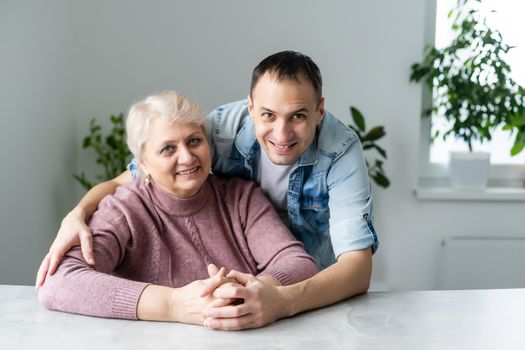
<point>329,194</point>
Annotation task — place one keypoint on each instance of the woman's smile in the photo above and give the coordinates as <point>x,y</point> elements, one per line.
<point>190,171</point>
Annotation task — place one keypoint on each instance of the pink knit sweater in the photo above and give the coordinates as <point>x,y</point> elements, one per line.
<point>143,236</point>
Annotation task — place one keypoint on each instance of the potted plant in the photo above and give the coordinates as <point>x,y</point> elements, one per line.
<point>111,150</point>
<point>472,89</point>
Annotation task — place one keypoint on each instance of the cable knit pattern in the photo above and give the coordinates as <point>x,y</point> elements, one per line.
<point>196,239</point>
<point>143,235</point>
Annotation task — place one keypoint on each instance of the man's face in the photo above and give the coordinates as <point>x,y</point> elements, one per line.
<point>285,114</point>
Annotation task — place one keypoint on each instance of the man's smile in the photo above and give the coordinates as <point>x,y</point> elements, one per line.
<point>282,148</point>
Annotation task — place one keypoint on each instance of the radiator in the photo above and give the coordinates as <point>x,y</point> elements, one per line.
<point>481,263</point>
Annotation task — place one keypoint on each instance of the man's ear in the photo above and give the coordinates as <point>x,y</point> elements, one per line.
<point>250,107</point>
<point>320,110</point>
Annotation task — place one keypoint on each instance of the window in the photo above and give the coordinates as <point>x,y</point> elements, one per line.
<point>508,20</point>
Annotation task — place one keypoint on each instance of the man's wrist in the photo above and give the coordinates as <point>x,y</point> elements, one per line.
<point>270,280</point>
<point>292,296</point>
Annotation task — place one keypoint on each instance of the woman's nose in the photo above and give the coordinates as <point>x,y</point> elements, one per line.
<point>185,155</point>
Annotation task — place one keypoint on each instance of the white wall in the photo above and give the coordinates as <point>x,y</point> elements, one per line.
<point>115,52</point>
<point>37,132</point>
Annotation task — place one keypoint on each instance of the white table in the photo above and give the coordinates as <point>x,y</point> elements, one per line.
<point>476,319</point>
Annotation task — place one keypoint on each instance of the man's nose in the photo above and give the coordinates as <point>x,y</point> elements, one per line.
<point>282,131</point>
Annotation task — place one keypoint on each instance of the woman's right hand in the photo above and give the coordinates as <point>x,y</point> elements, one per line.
<point>184,304</point>
<point>73,231</point>
<point>189,301</point>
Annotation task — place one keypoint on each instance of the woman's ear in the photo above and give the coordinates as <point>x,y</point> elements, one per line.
<point>144,169</point>
<point>142,166</point>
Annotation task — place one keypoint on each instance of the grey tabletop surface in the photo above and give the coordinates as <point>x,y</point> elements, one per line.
<point>472,319</point>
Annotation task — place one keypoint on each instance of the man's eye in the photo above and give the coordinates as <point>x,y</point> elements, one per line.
<point>267,115</point>
<point>298,116</point>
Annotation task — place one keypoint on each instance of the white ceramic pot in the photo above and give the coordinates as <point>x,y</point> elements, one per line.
<point>469,170</point>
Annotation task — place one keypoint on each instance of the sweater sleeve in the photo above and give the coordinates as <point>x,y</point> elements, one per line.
<point>77,287</point>
<point>277,253</point>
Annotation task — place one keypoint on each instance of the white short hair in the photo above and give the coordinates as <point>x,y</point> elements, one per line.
<point>169,105</point>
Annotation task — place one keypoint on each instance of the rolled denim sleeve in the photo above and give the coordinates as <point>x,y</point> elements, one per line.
<point>351,219</point>
<point>133,168</point>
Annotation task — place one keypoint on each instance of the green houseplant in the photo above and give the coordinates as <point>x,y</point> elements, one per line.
<point>111,150</point>
<point>471,83</point>
<point>368,141</point>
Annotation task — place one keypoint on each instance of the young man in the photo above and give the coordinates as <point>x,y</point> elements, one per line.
<point>312,168</point>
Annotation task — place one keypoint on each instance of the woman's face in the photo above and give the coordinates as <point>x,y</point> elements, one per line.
<point>177,157</point>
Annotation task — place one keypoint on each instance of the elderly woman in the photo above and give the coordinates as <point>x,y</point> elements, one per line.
<point>155,239</point>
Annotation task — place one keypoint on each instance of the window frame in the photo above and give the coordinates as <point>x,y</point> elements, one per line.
<point>437,174</point>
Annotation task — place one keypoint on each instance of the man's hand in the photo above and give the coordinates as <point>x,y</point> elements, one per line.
<point>263,304</point>
<point>73,231</point>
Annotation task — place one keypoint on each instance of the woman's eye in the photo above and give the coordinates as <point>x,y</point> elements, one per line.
<point>167,149</point>
<point>194,141</point>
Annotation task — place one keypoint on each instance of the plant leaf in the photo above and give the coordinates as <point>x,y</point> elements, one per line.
<point>375,134</point>
<point>358,118</point>
<point>381,180</point>
<point>518,120</point>
<point>519,143</point>
<point>87,142</point>
<point>380,150</point>
<point>83,181</point>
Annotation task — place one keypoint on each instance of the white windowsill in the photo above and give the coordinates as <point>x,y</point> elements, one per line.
<point>438,190</point>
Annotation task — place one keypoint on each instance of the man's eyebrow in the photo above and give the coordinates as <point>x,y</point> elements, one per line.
<point>267,109</point>
<point>302,109</point>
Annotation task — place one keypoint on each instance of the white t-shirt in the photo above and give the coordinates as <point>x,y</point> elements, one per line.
<point>274,183</point>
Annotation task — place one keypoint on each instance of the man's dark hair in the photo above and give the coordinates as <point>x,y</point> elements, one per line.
<point>289,65</point>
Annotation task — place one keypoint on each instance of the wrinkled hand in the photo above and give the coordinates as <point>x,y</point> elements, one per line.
<point>263,304</point>
<point>73,231</point>
<point>189,301</point>
<point>228,282</point>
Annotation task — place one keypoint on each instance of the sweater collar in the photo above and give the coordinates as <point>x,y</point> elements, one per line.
<point>176,206</point>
